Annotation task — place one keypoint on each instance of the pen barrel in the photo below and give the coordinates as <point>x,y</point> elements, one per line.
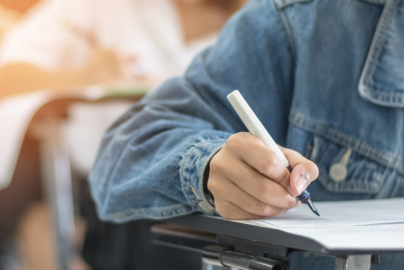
<point>253,124</point>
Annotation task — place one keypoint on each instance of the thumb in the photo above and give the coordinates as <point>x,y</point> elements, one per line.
<point>300,179</point>
<point>303,172</point>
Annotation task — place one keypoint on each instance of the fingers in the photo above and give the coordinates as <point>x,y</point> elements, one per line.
<point>229,192</point>
<point>248,180</point>
<point>231,211</point>
<point>251,182</point>
<point>255,153</point>
<point>304,171</point>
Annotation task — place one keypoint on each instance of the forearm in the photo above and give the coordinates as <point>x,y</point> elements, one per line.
<point>140,188</point>
<point>21,78</point>
<point>152,160</point>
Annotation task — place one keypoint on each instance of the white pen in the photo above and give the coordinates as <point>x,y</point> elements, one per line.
<point>256,128</point>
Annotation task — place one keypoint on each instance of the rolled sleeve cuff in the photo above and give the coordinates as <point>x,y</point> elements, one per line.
<point>192,172</point>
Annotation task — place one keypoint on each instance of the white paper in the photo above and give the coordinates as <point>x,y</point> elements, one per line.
<point>369,224</point>
<point>379,237</point>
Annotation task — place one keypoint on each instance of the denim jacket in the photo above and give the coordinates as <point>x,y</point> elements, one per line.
<point>325,77</point>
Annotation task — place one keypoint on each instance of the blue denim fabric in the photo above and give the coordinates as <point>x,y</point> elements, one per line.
<point>324,76</point>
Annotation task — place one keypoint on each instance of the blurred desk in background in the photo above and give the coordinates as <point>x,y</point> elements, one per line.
<point>44,118</point>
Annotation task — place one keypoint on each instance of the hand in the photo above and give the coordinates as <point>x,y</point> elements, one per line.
<point>248,180</point>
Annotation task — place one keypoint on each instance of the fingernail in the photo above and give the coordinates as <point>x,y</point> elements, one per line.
<point>298,204</point>
<point>301,183</point>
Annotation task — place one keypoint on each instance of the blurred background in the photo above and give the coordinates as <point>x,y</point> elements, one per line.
<point>73,50</point>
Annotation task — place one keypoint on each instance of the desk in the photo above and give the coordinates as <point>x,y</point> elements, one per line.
<point>253,241</point>
<point>46,121</point>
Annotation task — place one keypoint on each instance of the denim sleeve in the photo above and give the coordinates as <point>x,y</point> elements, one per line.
<point>152,160</point>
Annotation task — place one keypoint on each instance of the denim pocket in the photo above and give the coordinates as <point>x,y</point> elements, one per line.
<point>361,174</point>
<point>382,80</point>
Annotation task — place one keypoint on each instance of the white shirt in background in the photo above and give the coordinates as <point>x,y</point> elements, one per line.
<point>53,35</point>
<point>62,34</point>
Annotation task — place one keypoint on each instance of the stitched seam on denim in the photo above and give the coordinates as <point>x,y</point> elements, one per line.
<point>393,101</point>
<point>155,212</point>
<point>380,88</point>
<point>379,39</point>
<point>383,157</point>
<point>347,187</point>
<point>386,98</point>
<point>289,34</point>
<point>353,185</point>
<point>186,182</point>
<point>184,185</point>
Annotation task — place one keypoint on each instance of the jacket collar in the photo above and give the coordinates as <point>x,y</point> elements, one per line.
<point>382,79</point>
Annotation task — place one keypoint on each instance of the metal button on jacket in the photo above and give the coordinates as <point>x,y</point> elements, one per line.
<point>338,171</point>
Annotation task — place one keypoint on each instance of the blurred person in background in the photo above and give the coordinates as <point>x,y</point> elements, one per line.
<point>62,44</point>
<point>11,12</point>
<point>76,43</point>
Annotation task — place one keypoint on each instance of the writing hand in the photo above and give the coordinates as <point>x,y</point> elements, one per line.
<point>248,180</point>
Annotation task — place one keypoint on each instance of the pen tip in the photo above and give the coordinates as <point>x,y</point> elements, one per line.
<point>313,208</point>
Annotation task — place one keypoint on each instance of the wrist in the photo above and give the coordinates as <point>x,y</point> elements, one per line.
<point>194,170</point>
<point>206,191</point>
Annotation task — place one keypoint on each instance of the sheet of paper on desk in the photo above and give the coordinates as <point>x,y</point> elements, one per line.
<point>374,224</point>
